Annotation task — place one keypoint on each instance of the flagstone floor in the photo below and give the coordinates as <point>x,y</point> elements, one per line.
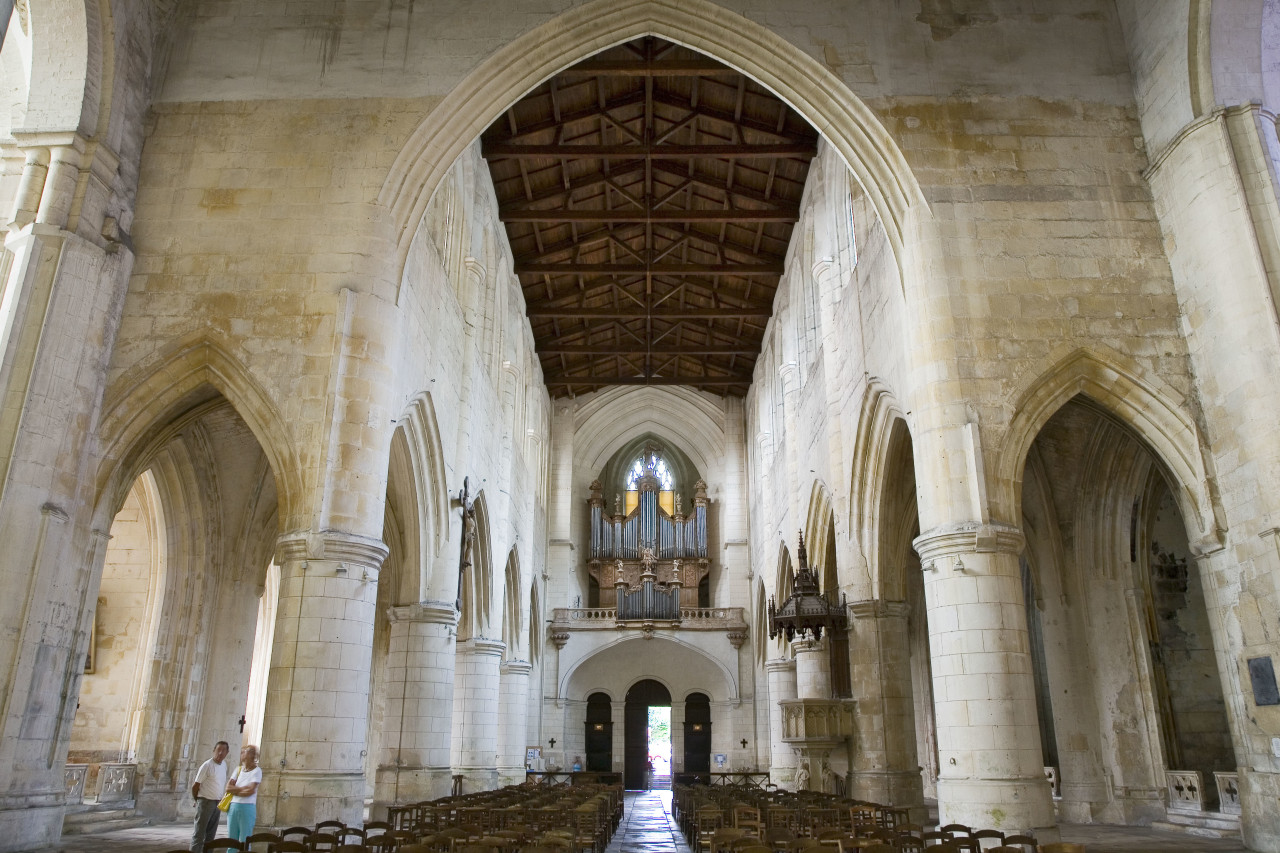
<point>647,827</point>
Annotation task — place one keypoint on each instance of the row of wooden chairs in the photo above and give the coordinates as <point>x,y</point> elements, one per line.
<point>726,818</point>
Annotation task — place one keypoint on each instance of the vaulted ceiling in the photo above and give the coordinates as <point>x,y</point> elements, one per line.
<point>649,194</point>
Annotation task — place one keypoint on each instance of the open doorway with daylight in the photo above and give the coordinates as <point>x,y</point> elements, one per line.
<point>659,747</point>
<point>643,698</point>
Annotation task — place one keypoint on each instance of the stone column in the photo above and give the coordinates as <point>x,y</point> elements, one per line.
<point>315,728</point>
<point>991,761</point>
<point>59,187</point>
<point>475,712</point>
<point>30,187</point>
<point>677,737</point>
<point>513,730</point>
<point>62,298</point>
<point>885,765</point>
<point>813,667</point>
<point>782,686</point>
<point>414,764</point>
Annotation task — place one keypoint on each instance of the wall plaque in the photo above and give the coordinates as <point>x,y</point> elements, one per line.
<point>1263,676</point>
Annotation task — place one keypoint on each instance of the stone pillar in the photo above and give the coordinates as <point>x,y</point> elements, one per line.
<point>885,766</point>
<point>813,667</point>
<point>618,710</point>
<point>30,187</point>
<point>475,712</point>
<point>59,187</point>
<point>782,686</point>
<point>315,728</point>
<point>677,737</point>
<point>414,764</point>
<point>513,719</point>
<point>991,760</point>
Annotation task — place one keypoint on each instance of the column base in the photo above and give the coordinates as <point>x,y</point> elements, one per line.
<point>399,785</point>
<point>478,779</point>
<point>899,787</point>
<point>1010,805</point>
<point>30,827</point>
<point>1260,820</point>
<point>302,798</point>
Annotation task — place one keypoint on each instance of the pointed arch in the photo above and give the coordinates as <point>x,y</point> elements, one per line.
<point>416,481</point>
<point>1155,412</point>
<point>878,444</point>
<point>817,524</point>
<point>512,611</point>
<point>810,88</point>
<point>141,405</point>
<point>477,579</point>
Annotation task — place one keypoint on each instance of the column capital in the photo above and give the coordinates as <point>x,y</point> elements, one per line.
<point>780,665</point>
<point>331,546</point>
<point>482,646</point>
<point>874,608</point>
<point>435,612</point>
<point>516,667</point>
<point>947,540</point>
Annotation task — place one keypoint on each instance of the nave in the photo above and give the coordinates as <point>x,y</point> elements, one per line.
<point>649,827</point>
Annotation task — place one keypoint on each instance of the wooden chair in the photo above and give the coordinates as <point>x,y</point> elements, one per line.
<point>748,818</point>
<point>290,847</point>
<point>322,842</point>
<point>327,825</point>
<point>981,835</point>
<point>1022,842</point>
<point>270,839</point>
<point>892,817</point>
<point>778,837</point>
<point>302,832</point>
<point>1061,847</point>
<point>222,844</point>
<point>381,844</point>
<point>721,837</point>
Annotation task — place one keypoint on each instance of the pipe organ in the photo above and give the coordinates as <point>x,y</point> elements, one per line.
<point>648,562</point>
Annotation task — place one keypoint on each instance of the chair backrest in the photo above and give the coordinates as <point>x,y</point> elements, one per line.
<point>322,841</point>
<point>956,829</point>
<point>222,844</point>
<point>326,825</point>
<point>301,831</point>
<point>1023,841</point>
<point>289,847</point>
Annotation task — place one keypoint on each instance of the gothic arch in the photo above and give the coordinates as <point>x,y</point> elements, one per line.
<point>417,477</point>
<point>882,425</point>
<point>513,613</point>
<point>476,583</point>
<point>680,416</point>
<point>808,86</point>
<point>1155,413</point>
<point>142,403</point>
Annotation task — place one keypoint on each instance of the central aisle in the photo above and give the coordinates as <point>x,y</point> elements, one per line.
<point>647,825</point>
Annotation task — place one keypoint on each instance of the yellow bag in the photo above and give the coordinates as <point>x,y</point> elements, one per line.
<point>225,803</point>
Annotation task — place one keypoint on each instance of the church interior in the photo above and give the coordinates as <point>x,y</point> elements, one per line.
<point>882,393</point>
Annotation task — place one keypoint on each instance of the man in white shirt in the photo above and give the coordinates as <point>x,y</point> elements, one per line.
<point>207,789</point>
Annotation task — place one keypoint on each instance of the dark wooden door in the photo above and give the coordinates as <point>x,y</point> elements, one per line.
<point>697,733</point>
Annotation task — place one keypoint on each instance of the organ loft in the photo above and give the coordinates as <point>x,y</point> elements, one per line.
<point>648,558</point>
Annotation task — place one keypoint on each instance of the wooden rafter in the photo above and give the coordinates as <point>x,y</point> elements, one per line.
<point>649,195</point>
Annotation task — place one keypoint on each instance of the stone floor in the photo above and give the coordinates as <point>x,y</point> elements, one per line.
<point>647,827</point>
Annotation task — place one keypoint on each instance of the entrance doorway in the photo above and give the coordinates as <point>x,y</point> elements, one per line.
<point>642,696</point>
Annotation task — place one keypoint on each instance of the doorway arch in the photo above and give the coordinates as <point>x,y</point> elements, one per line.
<point>642,696</point>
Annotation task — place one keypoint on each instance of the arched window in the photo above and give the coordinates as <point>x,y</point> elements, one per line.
<point>650,464</point>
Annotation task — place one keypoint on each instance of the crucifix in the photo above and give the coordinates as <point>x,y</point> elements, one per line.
<point>744,743</point>
<point>468,505</point>
<point>552,742</point>
<point>242,721</point>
